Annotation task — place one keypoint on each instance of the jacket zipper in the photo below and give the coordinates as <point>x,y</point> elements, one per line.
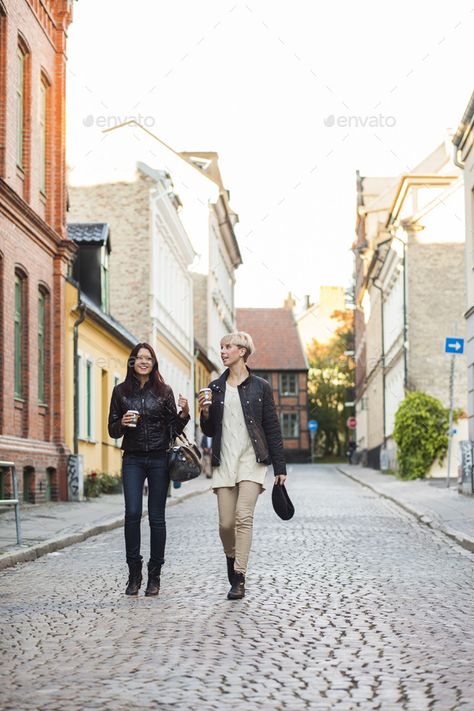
<point>146,428</point>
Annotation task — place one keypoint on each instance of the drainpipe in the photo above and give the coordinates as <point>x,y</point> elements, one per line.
<point>382,359</point>
<point>81,307</point>
<point>405,319</point>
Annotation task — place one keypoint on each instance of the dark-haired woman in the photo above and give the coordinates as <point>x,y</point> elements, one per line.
<point>143,411</point>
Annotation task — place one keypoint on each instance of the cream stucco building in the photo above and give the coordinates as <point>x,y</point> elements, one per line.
<point>411,297</point>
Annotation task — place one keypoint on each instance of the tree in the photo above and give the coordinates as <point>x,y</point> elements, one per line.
<point>331,382</point>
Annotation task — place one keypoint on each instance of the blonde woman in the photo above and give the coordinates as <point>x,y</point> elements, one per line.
<point>246,434</point>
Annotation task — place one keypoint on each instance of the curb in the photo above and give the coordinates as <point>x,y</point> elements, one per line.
<point>423,518</point>
<point>7,560</point>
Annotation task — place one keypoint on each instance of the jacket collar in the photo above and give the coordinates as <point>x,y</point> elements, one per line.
<point>220,383</point>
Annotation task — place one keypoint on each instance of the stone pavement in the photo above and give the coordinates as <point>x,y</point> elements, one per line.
<point>430,501</point>
<point>49,527</point>
<point>351,605</point>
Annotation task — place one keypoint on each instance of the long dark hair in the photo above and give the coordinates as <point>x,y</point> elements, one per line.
<point>157,381</point>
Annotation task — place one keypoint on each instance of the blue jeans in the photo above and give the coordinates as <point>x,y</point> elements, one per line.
<point>135,469</point>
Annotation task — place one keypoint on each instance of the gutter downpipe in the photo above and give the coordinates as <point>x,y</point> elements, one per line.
<point>382,358</point>
<point>405,320</point>
<point>82,308</point>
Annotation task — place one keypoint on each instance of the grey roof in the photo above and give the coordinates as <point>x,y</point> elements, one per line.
<point>88,232</point>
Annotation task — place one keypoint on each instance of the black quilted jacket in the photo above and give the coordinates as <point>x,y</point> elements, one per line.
<point>258,406</point>
<point>157,415</point>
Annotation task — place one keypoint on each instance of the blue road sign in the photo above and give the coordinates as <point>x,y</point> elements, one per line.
<point>454,345</point>
<point>312,425</point>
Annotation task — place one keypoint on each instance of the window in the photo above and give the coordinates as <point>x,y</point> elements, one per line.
<point>80,395</point>
<point>290,425</point>
<point>41,348</point>
<point>43,135</point>
<point>20,106</point>
<point>266,376</point>
<point>89,385</point>
<point>288,384</point>
<point>104,279</point>
<point>18,336</point>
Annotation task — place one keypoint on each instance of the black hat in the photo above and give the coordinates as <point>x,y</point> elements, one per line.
<point>281,502</point>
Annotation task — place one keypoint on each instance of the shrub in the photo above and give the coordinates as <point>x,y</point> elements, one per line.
<point>96,484</point>
<point>421,434</point>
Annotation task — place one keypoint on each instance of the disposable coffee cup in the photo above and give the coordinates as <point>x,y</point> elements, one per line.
<point>136,415</point>
<point>207,392</point>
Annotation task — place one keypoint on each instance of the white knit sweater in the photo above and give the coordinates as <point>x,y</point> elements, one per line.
<point>238,462</point>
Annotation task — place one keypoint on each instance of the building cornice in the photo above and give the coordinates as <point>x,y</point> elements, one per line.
<point>410,181</point>
<point>463,139</point>
<point>25,218</point>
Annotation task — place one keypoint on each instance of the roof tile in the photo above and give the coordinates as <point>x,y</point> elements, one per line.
<point>276,339</point>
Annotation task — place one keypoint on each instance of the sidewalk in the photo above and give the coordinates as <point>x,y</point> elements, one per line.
<point>429,500</point>
<point>49,527</point>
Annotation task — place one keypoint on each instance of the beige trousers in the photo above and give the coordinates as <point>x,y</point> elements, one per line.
<point>236,506</point>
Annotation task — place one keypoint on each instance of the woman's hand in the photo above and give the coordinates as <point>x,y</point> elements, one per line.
<point>128,419</point>
<point>280,479</point>
<point>184,405</point>
<point>203,408</point>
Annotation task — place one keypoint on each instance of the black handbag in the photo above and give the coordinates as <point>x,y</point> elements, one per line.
<point>184,459</point>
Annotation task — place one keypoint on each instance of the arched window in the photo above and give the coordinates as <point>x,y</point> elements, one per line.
<point>23,109</point>
<point>45,136</point>
<point>21,334</point>
<point>43,345</point>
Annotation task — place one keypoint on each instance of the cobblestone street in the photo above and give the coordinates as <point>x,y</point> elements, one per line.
<point>352,605</point>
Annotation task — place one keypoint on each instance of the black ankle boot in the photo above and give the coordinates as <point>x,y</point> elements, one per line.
<point>230,569</point>
<point>153,585</point>
<point>134,578</point>
<point>237,590</point>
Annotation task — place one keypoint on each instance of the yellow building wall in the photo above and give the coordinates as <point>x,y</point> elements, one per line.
<point>107,356</point>
<point>202,378</point>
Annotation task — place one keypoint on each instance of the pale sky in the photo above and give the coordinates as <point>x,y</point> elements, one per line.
<point>293,96</point>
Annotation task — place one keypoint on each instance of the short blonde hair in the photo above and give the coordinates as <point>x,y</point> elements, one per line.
<point>242,339</point>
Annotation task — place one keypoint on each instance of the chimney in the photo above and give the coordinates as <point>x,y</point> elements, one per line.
<point>307,302</point>
<point>289,302</point>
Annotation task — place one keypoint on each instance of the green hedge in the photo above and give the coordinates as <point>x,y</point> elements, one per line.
<point>421,434</point>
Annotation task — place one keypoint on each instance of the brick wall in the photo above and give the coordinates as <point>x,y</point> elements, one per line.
<point>32,244</point>
<point>297,449</point>
<point>126,208</point>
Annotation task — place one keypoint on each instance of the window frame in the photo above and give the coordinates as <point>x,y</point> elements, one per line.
<point>42,305</point>
<point>80,395</point>
<point>290,415</point>
<point>43,142</point>
<point>89,413</point>
<point>18,337</point>
<point>20,93</point>
<point>281,390</point>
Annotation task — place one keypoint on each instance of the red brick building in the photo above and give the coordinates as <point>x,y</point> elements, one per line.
<point>34,248</point>
<point>279,358</point>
